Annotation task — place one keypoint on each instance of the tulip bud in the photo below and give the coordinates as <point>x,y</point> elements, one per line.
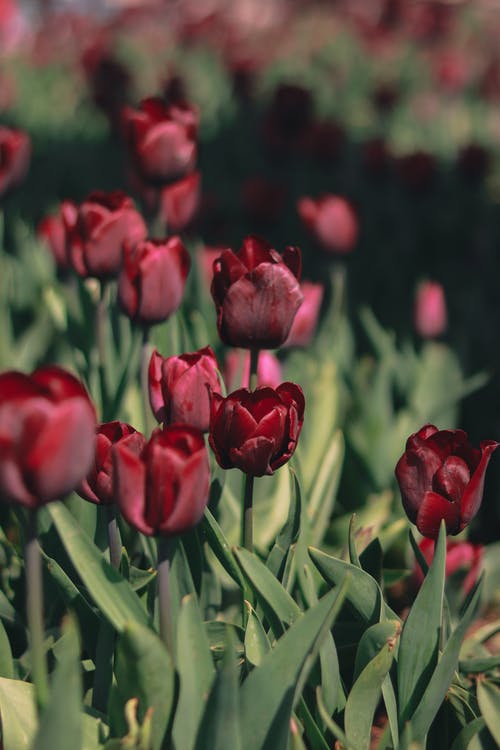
<point>15,154</point>
<point>332,221</point>
<point>99,484</point>
<point>47,435</point>
<point>441,477</point>
<point>256,431</point>
<point>151,283</point>
<point>164,490</point>
<point>256,293</point>
<point>179,387</point>
<point>161,139</point>
<point>430,310</point>
<point>103,223</point>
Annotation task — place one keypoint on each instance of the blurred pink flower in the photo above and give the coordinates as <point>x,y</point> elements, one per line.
<point>237,369</point>
<point>306,318</point>
<point>430,316</point>
<point>332,220</point>
<point>463,557</point>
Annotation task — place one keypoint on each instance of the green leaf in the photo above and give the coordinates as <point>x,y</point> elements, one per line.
<point>373,640</point>
<point>143,670</point>
<point>323,492</point>
<point>219,728</point>
<point>7,611</point>
<point>276,601</point>
<point>419,644</point>
<point>289,533</point>
<point>442,676</point>
<point>479,664</point>
<point>112,594</point>
<point>488,697</point>
<point>62,717</point>
<point>17,706</point>
<point>365,694</point>
<point>256,641</point>
<point>221,547</point>
<point>353,552</point>
<point>269,691</point>
<point>196,673</point>
<point>331,724</point>
<point>6,663</point>
<point>463,738</point>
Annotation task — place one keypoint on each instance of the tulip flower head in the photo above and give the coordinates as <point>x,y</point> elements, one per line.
<point>256,293</point>
<point>15,154</point>
<point>163,491</point>
<point>47,435</point>
<point>332,221</point>
<point>99,485</point>
<point>441,477</point>
<point>179,387</point>
<point>256,431</point>
<point>430,310</point>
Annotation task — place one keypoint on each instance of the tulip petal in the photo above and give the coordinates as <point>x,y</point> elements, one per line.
<point>130,487</point>
<point>12,487</point>
<point>414,472</point>
<point>473,494</point>
<point>254,456</point>
<point>451,478</point>
<point>433,509</point>
<point>192,498</point>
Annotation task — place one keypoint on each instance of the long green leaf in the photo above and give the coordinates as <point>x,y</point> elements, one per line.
<point>112,594</point>
<point>256,641</point>
<point>6,663</point>
<point>419,644</point>
<point>488,697</point>
<point>463,738</point>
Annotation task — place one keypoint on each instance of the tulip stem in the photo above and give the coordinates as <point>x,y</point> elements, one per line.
<point>338,280</point>
<point>254,363</point>
<point>165,555</point>
<point>145,358</point>
<point>114,541</point>
<point>100,338</point>
<point>247,524</point>
<point>34,611</point>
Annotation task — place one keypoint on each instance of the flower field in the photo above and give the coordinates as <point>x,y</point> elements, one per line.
<point>249,370</point>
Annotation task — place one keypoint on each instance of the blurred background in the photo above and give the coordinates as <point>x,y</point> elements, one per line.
<point>391,104</point>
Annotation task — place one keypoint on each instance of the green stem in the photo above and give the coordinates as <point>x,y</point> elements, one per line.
<point>34,611</point>
<point>254,363</point>
<point>100,338</point>
<point>165,555</point>
<point>145,358</point>
<point>338,280</point>
<point>114,541</point>
<point>247,519</point>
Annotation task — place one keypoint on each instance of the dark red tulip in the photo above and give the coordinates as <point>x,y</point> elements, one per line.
<point>99,484</point>
<point>332,220</point>
<point>461,557</point>
<point>95,240</point>
<point>151,283</point>
<point>180,201</point>
<point>164,490</point>
<point>161,139</point>
<point>179,387</point>
<point>47,435</point>
<point>15,154</point>
<point>441,477</point>
<point>256,293</point>
<point>256,431</point>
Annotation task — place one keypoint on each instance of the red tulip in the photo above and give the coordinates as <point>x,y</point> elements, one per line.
<point>441,477</point>
<point>256,431</point>
<point>95,240</point>
<point>461,557</point>
<point>15,154</point>
<point>256,293</point>
<point>99,484</point>
<point>164,490</point>
<point>306,319</point>
<point>47,435</point>
<point>161,139</point>
<point>332,220</point>
<point>178,387</point>
<point>430,310</point>
<point>237,369</point>
<point>151,284</point>
<point>180,201</point>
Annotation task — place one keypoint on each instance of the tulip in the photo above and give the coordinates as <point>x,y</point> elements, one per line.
<point>256,431</point>
<point>47,435</point>
<point>95,239</point>
<point>306,319</point>
<point>163,490</point>
<point>179,387</point>
<point>15,154</point>
<point>441,477</point>
<point>332,220</point>
<point>237,369</point>
<point>256,293</point>
<point>461,557</point>
<point>179,202</point>
<point>151,283</point>
<point>430,310</point>
<point>99,484</point>
<point>161,140</point>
